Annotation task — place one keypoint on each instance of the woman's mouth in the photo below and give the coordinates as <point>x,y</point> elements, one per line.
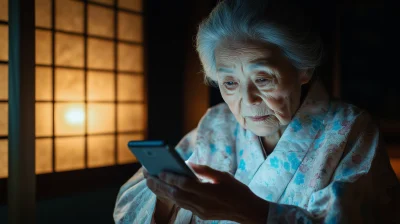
<point>258,118</point>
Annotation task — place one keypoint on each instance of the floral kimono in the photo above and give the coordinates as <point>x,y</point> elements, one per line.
<point>329,166</point>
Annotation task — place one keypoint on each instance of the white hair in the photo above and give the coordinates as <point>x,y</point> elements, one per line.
<point>276,22</point>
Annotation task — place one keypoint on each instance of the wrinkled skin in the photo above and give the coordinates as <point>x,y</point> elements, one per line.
<point>223,198</point>
<point>255,80</point>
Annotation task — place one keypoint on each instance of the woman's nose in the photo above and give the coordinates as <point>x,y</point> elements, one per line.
<point>250,95</point>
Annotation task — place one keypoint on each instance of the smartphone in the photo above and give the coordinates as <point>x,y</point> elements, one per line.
<point>156,156</point>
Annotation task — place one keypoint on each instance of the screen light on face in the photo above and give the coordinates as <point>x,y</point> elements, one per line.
<point>75,116</point>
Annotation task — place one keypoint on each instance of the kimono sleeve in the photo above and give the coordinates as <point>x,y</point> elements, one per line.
<point>135,201</point>
<point>185,147</point>
<point>363,189</point>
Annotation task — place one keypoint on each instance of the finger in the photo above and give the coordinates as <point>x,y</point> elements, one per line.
<point>158,187</point>
<point>207,172</point>
<point>169,192</point>
<point>190,201</point>
<point>165,200</point>
<point>184,183</point>
<point>195,209</point>
<point>187,206</point>
<point>176,195</point>
<point>193,202</point>
<point>172,193</point>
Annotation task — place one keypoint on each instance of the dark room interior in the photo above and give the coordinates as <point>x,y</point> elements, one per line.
<point>110,71</point>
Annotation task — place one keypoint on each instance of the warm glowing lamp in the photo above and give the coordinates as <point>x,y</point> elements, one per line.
<point>75,116</point>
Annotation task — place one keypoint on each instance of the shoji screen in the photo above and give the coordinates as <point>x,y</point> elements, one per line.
<point>90,97</point>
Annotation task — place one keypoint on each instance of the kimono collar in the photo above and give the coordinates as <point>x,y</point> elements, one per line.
<point>282,164</point>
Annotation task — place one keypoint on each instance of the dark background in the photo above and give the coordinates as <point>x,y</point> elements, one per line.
<point>360,67</point>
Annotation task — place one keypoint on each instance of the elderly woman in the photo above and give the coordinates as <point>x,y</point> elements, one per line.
<point>279,150</point>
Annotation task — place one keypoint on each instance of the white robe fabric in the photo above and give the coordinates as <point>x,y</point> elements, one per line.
<point>330,166</point>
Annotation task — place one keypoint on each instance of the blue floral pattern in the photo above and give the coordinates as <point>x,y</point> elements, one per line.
<point>312,175</point>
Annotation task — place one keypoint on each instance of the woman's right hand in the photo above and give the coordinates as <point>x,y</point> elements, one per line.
<point>163,206</point>
<point>147,176</point>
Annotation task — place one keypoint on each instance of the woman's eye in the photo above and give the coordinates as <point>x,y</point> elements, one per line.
<point>262,81</point>
<point>230,85</point>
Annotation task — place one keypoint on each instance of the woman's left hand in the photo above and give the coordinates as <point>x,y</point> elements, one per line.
<point>224,199</point>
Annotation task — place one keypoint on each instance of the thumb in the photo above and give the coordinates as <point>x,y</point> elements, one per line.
<point>206,172</point>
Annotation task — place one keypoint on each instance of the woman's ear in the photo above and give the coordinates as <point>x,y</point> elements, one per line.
<point>305,75</point>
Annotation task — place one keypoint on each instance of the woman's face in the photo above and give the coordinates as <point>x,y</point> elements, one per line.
<point>259,84</point>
